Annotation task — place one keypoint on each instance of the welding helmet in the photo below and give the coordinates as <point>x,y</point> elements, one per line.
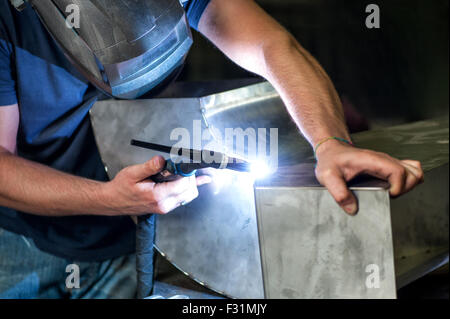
<point>124,47</point>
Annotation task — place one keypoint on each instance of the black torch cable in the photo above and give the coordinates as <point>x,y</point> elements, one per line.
<point>145,237</point>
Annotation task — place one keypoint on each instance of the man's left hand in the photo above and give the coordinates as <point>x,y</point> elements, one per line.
<point>339,163</point>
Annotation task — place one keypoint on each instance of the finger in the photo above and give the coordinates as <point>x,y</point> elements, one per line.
<point>149,168</point>
<point>173,202</point>
<point>337,186</point>
<point>166,205</point>
<point>412,177</point>
<point>204,179</point>
<point>413,163</point>
<point>179,186</point>
<point>187,196</point>
<point>397,180</point>
<point>411,181</point>
<point>383,167</point>
<point>416,168</point>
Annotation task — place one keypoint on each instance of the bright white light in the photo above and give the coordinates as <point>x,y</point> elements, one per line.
<point>259,170</point>
<point>240,181</point>
<point>221,179</point>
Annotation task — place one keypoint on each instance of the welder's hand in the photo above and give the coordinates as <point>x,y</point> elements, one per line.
<point>338,163</point>
<point>132,193</point>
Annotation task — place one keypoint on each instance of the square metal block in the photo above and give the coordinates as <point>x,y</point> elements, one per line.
<point>311,249</point>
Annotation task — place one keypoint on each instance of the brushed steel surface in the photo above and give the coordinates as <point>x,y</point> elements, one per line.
<point>311,249</point>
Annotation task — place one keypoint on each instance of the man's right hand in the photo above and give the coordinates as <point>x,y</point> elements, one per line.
<point>38,189</point>
<point>131,192</point>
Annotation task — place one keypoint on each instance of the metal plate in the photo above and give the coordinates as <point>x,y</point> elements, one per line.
<point>311,249</point>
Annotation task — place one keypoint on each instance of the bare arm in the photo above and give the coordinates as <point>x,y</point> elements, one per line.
<point>256,42</point>
<point>41,190</point>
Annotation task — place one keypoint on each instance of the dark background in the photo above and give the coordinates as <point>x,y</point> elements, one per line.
<point>398,73</point>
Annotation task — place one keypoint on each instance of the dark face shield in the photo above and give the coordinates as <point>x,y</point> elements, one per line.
<point>124,47</point>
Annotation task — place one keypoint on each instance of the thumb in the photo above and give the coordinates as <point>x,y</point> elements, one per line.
<point>149,168</point>
<point>337,187</point>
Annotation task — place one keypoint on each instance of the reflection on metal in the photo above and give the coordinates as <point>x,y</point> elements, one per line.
<point>309,248</point>
<point>420,221</point>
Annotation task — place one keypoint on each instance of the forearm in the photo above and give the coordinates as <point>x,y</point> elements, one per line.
<point>41,190</point>
<point>264,47</point>
<point>256,42</point>
<point>306,90</point>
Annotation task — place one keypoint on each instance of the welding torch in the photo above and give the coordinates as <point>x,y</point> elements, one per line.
<point>198,160</point>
